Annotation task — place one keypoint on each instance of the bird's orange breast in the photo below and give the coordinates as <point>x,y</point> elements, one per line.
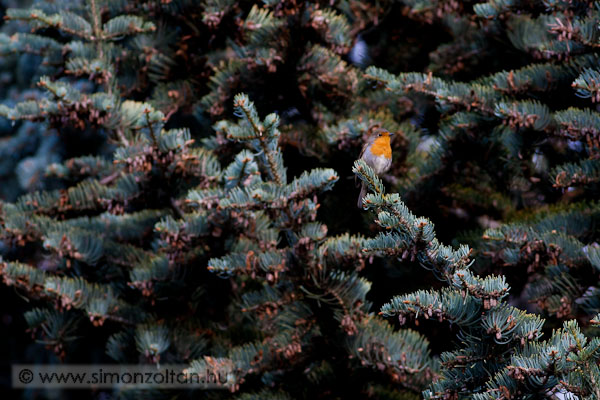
<point>381,147</point>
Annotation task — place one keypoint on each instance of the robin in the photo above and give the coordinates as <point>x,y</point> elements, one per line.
<point>377,153</point>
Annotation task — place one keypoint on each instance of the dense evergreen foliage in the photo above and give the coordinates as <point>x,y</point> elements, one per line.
<point>177,185</point>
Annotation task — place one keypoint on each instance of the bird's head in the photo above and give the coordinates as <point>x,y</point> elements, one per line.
<point>380,135</point>
<point>379,142</point>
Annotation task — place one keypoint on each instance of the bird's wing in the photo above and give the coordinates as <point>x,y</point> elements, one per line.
<point>357,182</point>
<point>362,152</point>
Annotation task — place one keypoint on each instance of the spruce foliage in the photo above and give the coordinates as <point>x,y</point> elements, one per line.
<point>176,185</point>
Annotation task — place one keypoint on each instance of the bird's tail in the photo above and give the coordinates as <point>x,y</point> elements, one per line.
<point>363,193</point>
